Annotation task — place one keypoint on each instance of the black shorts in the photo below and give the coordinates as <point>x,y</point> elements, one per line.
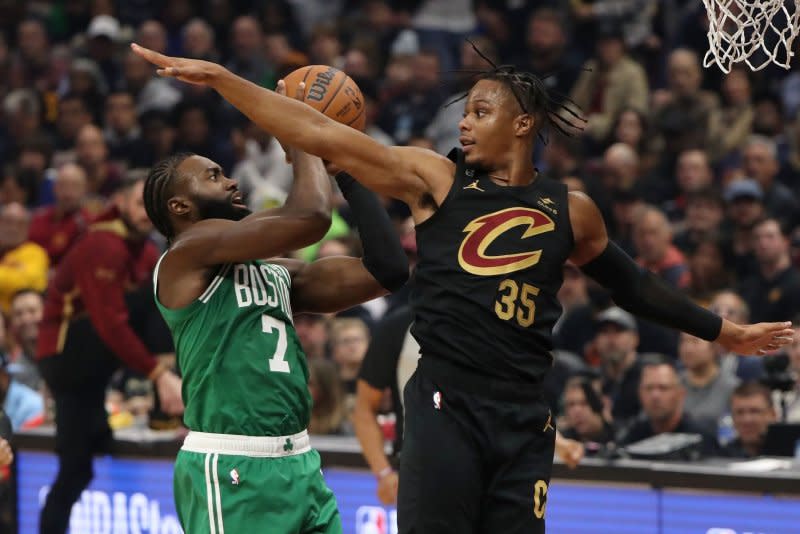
<point>476,457</point>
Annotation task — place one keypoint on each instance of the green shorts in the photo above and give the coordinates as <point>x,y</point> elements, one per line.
<point>236,484</point>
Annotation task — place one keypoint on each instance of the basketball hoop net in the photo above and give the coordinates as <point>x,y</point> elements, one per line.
<point>758,32</point>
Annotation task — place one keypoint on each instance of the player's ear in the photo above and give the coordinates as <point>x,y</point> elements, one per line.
<point>523,124</point>
<point>179,205</point>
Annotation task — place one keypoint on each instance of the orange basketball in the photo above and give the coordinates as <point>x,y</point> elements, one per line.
<point>330,91</point>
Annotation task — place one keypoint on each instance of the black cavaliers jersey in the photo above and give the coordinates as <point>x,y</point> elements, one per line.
<point>490,265</point>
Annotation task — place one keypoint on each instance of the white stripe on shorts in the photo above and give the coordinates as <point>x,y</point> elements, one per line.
<point>211,525</point>
<point>219,499</point>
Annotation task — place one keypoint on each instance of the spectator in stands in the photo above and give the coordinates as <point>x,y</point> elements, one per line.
<point>91,151</point>
<point>153,32</point>
<point>312,330</point>
<point>744,199</point>
<point>652,237</point>
<point>632,127</point>
<point>122,132</point>
<point>609,83</point>
<point>735,118</point>
<point>662,396</point>
<point>86,80</point>
<point>87,331</point>
<point>692,174</point>
<point>584,415</point>
<point>23,263</point>
<point>570,332</point>
<point>198,40</point>
<point>620,167</point>
<point>752,412</point>
<point>390,361</point>
<point>27,308</point>
<point>708,388</point>
<point>707,267</point>
<point>616,341</point>
<point>101,35</point>
<point>563,157</point>
<point>73,114</point>
<point>23,405</point>
<point>705,211</point>
<point>18,185</point>
<point>22,112</point>
<point>684,113</point>
<point>328,414</point>
<point>248,60</point>
<point>729,305</point>
<point>547,51</point>
<point>194,119</point>
<point>56,227</point>
<point>30,61</point>
<point>760,162</point>
<point>773,293</point>
<point>349,339</point>
<point>151,93</point>
<point>410,112</point>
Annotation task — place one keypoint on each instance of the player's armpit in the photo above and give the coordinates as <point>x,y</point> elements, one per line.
<point>330,284</point>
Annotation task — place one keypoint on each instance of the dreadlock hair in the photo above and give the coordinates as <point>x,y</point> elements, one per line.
<point>158,188</point>
<point>532,96</point>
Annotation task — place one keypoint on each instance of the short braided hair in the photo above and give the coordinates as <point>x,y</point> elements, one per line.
<point>158,187</point>
<point>533,97</point>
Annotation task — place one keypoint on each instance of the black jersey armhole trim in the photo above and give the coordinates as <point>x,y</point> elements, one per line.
<point>456,155</point>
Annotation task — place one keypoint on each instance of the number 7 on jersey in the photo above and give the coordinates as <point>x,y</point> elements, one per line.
<point>277,364</point>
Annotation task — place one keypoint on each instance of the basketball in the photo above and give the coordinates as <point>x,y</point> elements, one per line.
<point>330,91</point>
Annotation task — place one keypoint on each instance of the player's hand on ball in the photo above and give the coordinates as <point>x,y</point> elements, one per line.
<point>298,94</point>
<point>387,488</point>
<point>193,71</point>
<point>6,454</point>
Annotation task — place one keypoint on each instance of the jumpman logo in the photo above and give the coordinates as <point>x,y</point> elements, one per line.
<point>548,424</point>
<point>473,185</point>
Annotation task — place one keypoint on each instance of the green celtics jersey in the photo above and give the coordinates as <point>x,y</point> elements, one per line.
<point>243,369</point>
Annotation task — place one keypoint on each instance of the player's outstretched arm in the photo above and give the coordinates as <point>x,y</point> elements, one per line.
<point>646,295</point>
<point>405,173</point>
<point>337,283</point>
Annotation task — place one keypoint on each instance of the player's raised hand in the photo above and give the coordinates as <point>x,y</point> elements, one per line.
<point>299,93</point>
<point>758,339</point>
<point>193,71</point>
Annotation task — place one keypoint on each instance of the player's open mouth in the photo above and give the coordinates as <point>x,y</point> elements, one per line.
<point>238,201</point>
<point>466,143</point>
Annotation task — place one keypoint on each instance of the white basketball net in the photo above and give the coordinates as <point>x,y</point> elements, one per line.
<point>758,32</point>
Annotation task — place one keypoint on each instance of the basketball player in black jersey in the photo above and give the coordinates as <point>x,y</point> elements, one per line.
<point>492,237</point>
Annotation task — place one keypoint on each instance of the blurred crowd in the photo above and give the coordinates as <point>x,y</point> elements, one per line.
<point>696,172</point>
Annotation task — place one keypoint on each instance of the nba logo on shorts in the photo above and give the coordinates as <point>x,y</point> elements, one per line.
<point>437,400</point>
<point>371,520</point>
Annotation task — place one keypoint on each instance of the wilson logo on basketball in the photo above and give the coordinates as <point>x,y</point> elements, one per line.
<point>320,86</point>
<point>484,230</point>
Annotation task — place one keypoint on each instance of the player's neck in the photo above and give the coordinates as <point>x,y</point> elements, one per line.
<point>519,173</point>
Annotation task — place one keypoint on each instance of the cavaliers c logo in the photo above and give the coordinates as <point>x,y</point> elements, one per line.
<point>481,232</point>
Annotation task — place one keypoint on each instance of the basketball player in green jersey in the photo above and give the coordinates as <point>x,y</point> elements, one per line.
<point>246,465</point>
